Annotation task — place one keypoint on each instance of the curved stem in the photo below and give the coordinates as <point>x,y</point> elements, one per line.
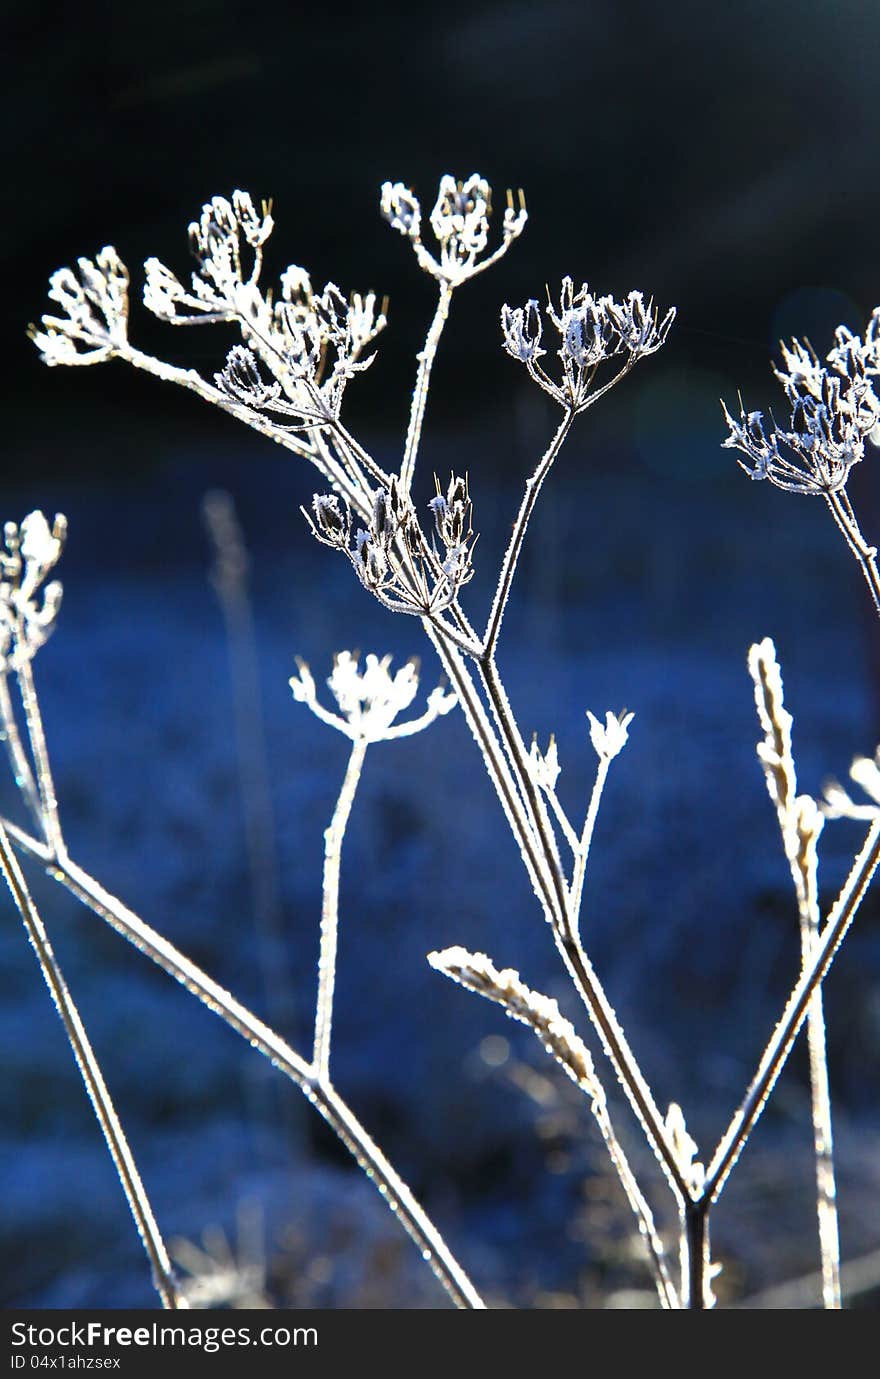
<point>36,736</point>
<point>333,839</point>
<point>583,850</point>
<point>111,1128</point>
<point>511,557</point>
<point>866,556</point>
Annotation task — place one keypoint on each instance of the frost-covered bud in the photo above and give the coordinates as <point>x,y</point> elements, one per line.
<point>369,561</point>
<point>452,512</point>
<point>521,327</point>
<point>400,207</point>
<point>545,768</point>
<point>610,738</point>
<point>241,379</point>
<point>332,519</point>
<point>383,524</point>
<point>638,324</point>
<point>255,228</point>
<point>94,303</point>
<point>460,218</point>
<point>749,436</point>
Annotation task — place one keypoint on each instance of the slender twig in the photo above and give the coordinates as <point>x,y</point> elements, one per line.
<point>796,1010</point>
<point>420,391</point>
<point>37,738</point>
<point>333,839</point>
<point>866,556</point>
<point>583,849</point>
<point>111,1127</point>
<point>800,825</point>
<point>511,556</point>
<point>21,767</point>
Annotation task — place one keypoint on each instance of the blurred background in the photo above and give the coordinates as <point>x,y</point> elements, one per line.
<point>723,159</point>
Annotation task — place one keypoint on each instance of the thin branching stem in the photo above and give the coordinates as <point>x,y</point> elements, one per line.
<point>866,556</point>
<point>333,839</point>
<point>512,554</point>
<point>796,1010</point>
<point>39,752</point>
<point>666,1290</point>
<point>111,1128</point>
<point>423,380</point>
<point>324,1098</point>
<point>21,767</point>
<point>582,851</point>
<point>580,968</point>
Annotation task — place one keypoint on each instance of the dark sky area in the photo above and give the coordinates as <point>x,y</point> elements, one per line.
<point>722,157</point>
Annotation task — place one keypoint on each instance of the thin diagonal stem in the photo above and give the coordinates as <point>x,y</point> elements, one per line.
<point>21,767</point>
<point>866,556</point>
<point>796,1010</point>
<point>139,1204</point>
<point>583,850</point>
<point>36,736</point>
<point>513,781</point>
<point>423,380</point>
<point>333,839</point>
<point>323,1097</point>
<point>667,1292</point>
<point>512,554</point>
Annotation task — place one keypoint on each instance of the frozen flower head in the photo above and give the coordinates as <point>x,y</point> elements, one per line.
<point>610,738</point>
<point>459,222</point>
<point>28,604</point>
<point>93,323</point>
<point>370,700</point>
<point>833,406</point>
<point>593,330</point>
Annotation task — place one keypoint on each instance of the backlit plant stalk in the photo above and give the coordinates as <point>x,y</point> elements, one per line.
<point>300,350</point>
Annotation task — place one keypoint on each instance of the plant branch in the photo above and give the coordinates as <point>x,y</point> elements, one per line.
<point>333,839</point>
<point>323,1097</point>
<point>423,380</point>
<point>796,1010</point>
<point>164,1280</point>
<point>511,557</point>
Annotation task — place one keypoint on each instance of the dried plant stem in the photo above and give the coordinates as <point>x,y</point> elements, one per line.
<point>795,1013</point>
<point>37,738</point>
<point>323,1097</point>
<point>696,1292</point>
<point>333,839</point>
<point>866,556</point>
<point>423,380</point>
<point>667,1292</point>
<point>21,767</point>
<point>580,968</point>
<point>826,1189</point>
<point>512,554</point>
<point>111,1128</point>
<point>583,849</point>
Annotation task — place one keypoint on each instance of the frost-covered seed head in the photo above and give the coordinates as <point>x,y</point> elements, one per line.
<point>610,738</point>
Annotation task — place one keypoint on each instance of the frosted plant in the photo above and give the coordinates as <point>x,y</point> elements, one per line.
<point>834,410</point>
<point>288,379</point>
